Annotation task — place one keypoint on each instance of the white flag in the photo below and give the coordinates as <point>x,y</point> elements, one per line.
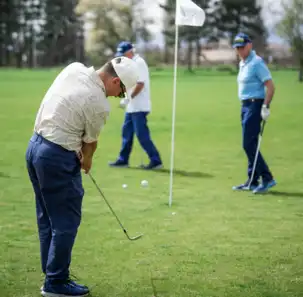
<point>189,14</point>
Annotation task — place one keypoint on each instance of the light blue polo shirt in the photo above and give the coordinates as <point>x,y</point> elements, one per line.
<point>253,73</point>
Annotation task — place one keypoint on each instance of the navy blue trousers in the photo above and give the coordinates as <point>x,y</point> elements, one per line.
<point>55,174</point>
<point>251,126</point>
<point>136,123</point>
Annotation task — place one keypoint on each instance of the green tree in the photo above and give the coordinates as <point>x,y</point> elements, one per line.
<point>112,22</point>
<point>33,28</point>
<point>169,29</point>
<point>236,16</point>
<point>190,36</point>
<point>61,32</point>
<point>291,28</point>
<point>30,15</point>
<point>10,29</point>
<point>194,35</point>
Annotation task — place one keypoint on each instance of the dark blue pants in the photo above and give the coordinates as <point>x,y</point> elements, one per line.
<point>251,126</point>
<point>136,123</point>
<point>55,174</point>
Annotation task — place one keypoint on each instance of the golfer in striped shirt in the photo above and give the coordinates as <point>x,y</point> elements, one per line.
<point>68,123</point>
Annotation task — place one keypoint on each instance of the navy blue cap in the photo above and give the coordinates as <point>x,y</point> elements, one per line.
<point>241,40</point>
<point>123,47</point>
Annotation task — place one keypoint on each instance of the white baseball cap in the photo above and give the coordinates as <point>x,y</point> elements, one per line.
<point>127,71</point>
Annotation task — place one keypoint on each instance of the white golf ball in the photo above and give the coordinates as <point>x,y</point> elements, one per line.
<point>144,183</point>
<point>124,186</point>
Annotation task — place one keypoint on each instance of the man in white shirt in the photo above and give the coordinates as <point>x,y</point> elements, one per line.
<point>66,131</point>
<point>138,106</point>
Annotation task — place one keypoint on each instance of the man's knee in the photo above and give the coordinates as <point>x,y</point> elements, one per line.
<point>249,144</point>
<point>65,231</point>
<point>142,132</point>
<point>65,211</point>
<point>66,223</point>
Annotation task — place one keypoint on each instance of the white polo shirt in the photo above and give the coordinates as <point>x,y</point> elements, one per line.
<point>142,101</point>
<point>74,109</point>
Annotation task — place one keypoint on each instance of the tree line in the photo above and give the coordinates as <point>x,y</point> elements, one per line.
<point>46,33</point>
<point>40,32</point>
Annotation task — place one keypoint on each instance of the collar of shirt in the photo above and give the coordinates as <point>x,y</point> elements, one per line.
<point>136,56</point>
<point>95,77</point>
<point>251,55</point>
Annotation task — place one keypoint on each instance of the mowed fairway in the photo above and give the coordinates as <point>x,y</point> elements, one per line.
<point>217,244</point>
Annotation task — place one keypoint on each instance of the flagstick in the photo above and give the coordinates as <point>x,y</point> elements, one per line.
<point>173,118</point>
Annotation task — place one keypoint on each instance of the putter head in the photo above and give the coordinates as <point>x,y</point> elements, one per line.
<point>135,237</point>
<point>132,238</point>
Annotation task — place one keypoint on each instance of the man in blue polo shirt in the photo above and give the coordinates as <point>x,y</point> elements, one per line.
<point>255,91</point>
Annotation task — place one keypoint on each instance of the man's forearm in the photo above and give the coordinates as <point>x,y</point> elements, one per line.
<point>88,149</point>
<point>137,90</point>
<point>269,96</point>
<point>269,93</point>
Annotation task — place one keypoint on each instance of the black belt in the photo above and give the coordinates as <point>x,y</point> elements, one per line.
<point>252,100</point>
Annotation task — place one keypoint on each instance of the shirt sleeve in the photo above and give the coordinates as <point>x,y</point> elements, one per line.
<point>142,67</point>
<point>95,119</point>
<point>263,72</point>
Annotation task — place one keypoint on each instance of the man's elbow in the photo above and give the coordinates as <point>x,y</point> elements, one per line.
<point>88,148</point>
<point>270,86</point>
<point>90,144</point>
<point>140,85</point>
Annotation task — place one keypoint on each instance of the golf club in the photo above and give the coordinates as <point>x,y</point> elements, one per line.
<point>103,196</point>
<point>257,153</point>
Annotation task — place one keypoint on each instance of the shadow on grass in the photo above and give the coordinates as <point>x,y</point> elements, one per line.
<point>4,175</point>
<point>178,172</point>
<point>285,194</point>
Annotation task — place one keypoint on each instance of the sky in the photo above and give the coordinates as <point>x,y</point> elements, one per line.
<point>153,10</point>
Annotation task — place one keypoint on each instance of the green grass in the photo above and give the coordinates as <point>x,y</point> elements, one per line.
<point>218,244</point>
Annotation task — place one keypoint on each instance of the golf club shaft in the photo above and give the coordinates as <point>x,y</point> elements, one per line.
<point>111,209</point>
<point>257,153</point>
